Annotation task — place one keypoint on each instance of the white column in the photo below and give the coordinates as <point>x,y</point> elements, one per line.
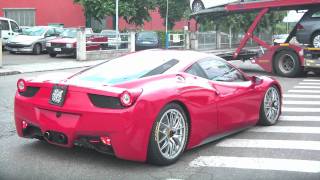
<point>187,40</point>
<point>132,42</point>
<point>0,50</point>
<point>81,45</point>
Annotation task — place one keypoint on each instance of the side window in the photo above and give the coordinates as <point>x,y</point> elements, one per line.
<point>14,26</point>
<point>219,70</point>
<point>50,32</point>
<point>316,14</point>
<point>196,70</point>
<point>4,25</point>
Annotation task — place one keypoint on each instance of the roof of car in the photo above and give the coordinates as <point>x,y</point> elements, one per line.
<point>4,18</point>
<point>185,57</point>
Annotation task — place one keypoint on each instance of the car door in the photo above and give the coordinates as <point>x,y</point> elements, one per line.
<point>203,96</point>
<point>238,102</point>
<point>14,28</point>
<point>5,30</point>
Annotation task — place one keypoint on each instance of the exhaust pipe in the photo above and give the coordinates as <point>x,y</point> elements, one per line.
<point>61,138</point>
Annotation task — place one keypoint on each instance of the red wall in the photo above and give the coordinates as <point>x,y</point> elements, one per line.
<point>50,11</point>
<point>157,23</point>
<point>71,15</point>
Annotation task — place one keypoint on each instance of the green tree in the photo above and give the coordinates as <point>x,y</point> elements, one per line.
<point>133,11</point>
<point>178,9</point>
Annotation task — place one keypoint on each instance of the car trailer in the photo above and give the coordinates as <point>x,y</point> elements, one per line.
<point>288,60</point>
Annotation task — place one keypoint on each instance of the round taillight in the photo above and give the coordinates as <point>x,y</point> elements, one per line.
<point>21,85</point>
<point>126,99</point>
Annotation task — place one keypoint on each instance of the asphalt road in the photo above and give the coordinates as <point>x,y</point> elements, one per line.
<point>287,151</point>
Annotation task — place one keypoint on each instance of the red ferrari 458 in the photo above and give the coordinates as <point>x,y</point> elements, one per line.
<point>146,106</point>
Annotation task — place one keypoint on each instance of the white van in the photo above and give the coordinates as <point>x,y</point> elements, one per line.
<point>9,28</point>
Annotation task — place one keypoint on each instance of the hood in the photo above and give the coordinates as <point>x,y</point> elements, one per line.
<point>63,40</point>
<point>23,39</point>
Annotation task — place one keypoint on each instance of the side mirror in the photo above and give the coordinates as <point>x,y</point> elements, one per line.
<point>256,80</point>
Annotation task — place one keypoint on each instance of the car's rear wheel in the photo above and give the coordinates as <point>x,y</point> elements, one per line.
<point>37,49</point>
<point>287,64</point>
<point>271,107</point>
<point>52,54</point>
<point>197,6</point>
<point>316,40</point>
<point>169,136</point>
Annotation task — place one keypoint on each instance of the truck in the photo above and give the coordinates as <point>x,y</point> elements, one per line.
<point>284,59</point>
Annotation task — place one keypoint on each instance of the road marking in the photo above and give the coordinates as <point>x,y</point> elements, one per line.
<point>272,144</point>
<point>301,96</point>
<point>307,87</point>
<point>311,80</point>
<point>300,118</point>
<point>287,129</point>
<point>309,83</point>
<point>304,91</point>
<point>290,109</point>
<point>257,163</point>
<point>302,102</point>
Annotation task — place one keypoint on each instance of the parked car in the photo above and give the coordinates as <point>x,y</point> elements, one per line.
<point>198,5</point>
<point>9,28</point>
<point>147,40</point>
<point>114,40</point>
<point>308,29</point>
<point>32,40</point>
<point>146,106</point>
<point>66,43</point>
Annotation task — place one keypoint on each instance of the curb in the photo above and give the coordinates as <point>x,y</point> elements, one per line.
<point>9,73</point>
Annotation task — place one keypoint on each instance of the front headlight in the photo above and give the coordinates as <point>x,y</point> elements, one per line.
<point>69,45</point>
<point>48,44</point>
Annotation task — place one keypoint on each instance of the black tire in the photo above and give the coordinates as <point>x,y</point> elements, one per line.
<point>12,52</point>
<point>53,55</point>
<point>37,49</point>
<point>197,6</point>
<point>263,119</point>
<point>154,155</point>
<point>287,64</point>
<point>316,37</point>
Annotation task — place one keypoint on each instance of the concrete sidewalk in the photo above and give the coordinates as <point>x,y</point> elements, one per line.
<point>45,66</point>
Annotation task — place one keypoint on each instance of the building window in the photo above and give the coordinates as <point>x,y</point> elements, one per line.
<point>24,17</point>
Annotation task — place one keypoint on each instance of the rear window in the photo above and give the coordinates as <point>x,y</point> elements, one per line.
<point>147,35</point>
<point>128,68</point>
<point>316,14</point>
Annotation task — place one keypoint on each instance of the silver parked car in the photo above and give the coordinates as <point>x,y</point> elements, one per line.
<point>308,29</point>
<point>32,40</point>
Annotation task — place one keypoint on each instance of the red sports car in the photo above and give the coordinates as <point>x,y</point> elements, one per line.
<point>146,106</point>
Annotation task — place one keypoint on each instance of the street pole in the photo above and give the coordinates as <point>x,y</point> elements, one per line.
<point>0,48</point>
<point>167,35</point>
<point>117,23</point>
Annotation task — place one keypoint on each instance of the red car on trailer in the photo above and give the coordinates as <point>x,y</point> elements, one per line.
<point>146,106</point>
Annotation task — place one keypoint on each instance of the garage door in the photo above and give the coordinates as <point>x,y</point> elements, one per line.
<point>24,17</point>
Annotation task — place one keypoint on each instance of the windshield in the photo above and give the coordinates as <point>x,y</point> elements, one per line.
<point>34,31</point>
<point>128,68</point>
<point>109,34</point>
<point>69,33</point>
<point>147,35</point>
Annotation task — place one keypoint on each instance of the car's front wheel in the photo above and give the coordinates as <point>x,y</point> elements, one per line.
<point>197,6</point>
<point>37,49</point>
<point>271,107</point>
<point>52,54</point>
<point>169,136</point>
<point>316,40</point>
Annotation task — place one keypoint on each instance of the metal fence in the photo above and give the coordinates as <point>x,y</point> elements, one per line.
<point>220,40</point>
<point>99,43</point>
<point>177,40</point>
